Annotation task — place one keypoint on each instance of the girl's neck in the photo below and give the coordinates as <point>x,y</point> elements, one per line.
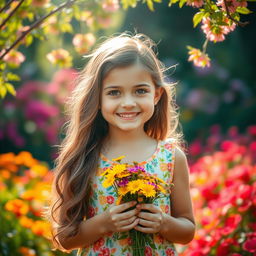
<point>135,147</point>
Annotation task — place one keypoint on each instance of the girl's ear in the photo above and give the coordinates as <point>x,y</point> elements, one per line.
<point>158,94</point>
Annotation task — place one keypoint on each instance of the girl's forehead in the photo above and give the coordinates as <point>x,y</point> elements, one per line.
<point>135,73</point>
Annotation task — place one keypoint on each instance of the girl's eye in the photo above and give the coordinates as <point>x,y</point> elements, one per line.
<point>113,93</point>
<point>141,91</point>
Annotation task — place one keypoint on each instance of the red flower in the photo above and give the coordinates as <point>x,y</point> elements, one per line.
<point>148,251</point>
<point>250,245</point>
<point>223,248</point>
<point>231,224</point>
<point>169,252</point>
<point>91,211</point>
<point>104,252</point>
<point>110,199</point>
<point>252,130</point>
<point>98,244</point>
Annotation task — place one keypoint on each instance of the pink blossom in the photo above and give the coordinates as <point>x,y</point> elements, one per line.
<point>110,5</point>
<point>83,42</point>
<point>232,4</point>
<point>39,3</point>
<point>199,58</point>
<point>215,32</point>
<point>60,57</point>
<point>14,58</point>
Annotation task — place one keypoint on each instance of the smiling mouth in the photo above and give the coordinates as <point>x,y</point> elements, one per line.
<point>128,116</point>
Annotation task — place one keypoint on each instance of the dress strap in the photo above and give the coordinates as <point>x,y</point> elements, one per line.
<point>170,145</point>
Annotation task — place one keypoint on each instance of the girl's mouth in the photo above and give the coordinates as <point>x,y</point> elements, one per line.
<point>128,116</point>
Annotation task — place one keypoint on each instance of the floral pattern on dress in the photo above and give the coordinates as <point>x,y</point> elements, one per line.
<point>161,165</point>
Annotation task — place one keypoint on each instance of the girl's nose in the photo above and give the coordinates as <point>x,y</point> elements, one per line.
<point>128,102</point>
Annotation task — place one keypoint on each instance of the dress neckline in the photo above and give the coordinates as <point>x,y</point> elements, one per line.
<point>104,158</point>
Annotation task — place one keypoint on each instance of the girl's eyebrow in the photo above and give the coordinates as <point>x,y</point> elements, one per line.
<point>117,86</point>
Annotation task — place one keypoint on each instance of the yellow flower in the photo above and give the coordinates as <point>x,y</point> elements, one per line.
<point>123,190</point>
<point>162,190</point>
<point>123,174</point>
<point>118,168</point>
<point>148,190</point>
<point>119,199</point>
<point>134,186</point>
<point>106,172</point>
<point>161,180</point>
<point>118,158</point>
<point>109,180</point>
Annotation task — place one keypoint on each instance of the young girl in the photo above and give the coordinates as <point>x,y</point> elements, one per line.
<point>121,106</point>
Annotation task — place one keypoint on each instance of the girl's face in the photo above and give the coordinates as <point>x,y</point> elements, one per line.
<point>128,98</point>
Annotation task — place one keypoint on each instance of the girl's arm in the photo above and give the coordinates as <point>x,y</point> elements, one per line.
<point>114,219</point>
<point>180,227</point>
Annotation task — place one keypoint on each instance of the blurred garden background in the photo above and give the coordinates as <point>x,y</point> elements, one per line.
<point>217,106</point>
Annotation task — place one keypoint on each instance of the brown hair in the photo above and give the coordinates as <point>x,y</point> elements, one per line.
<point>86,129</point>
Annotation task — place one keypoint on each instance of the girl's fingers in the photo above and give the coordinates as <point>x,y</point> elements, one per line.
<point>127,222</point>
<point>146,223</point>
<point>125,206</point>
<point>151,207</point>
<point>127,215</point>
<point>129,227</point>
<point>145,230</point>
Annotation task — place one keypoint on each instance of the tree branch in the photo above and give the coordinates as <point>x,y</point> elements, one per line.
<point>240,23</point>
<point>36,24</point>
<point>11,13</point>
<point>6,6</point>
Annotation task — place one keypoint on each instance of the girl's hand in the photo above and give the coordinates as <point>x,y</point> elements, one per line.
<point>152,221</point>
<point>117,220</point>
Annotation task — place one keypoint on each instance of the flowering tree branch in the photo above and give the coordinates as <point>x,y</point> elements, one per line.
<point>238,22</point>
<point>36,24</point>
<point>11,13</point>
<point>6,6</point>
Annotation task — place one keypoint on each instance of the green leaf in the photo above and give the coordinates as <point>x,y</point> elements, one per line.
<point>172,2</point>
<point>197,18</point>
<point>66,27</point>
<point>28,40</point>
<point>3,91</point>
<point>10,89</point>
<point>243,10</point>
<point>150,5</point>
<point>182,2</point>
<point>12,77</point>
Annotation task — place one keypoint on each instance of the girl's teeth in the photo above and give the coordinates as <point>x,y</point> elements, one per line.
<point>127,115</point>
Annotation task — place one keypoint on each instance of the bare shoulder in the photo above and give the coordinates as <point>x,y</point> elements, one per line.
<point>180,164</point>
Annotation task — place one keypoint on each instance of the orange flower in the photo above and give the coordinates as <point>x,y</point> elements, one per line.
<point>8,161</point>
<point>38,170</point>
<point>41,228</point>
<point>25,158</point>
<point>17,206</point>
<point>5,174</point>
<point>26,222</point>
<point>27,251</point>
<point>102,199</point>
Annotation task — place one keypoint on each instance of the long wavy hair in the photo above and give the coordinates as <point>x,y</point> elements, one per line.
<point>86,129</point>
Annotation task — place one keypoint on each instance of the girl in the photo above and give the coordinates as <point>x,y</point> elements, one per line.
<point>121,106</point>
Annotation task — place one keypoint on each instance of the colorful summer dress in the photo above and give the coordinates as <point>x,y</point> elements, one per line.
<point>161,164</point>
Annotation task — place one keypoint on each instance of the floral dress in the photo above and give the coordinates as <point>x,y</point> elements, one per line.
<point>161,164</point>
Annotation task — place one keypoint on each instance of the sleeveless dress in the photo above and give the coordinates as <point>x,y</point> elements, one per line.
<point>161,164</point>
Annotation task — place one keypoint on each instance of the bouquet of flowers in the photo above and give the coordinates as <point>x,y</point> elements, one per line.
<point>133,183</point>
